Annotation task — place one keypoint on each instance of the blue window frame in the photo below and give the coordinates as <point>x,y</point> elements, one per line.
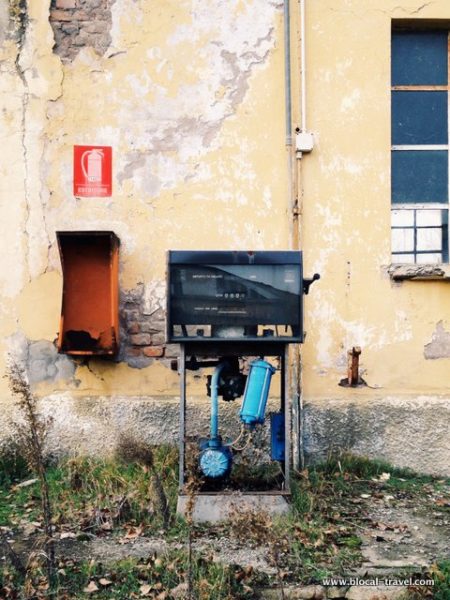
<point>420,146</point>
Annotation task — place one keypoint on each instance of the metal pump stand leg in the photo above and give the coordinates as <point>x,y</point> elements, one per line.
<point>287,419</point>
<point>182,440</point>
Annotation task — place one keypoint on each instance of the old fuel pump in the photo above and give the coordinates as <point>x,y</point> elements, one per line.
<point>224,306</point>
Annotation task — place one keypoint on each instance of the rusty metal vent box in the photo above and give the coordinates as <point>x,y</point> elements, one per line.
<point>90,301</point>
<point>235,296</point>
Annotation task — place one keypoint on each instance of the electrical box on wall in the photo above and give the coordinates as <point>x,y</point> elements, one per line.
<point>235,296</point>
<point>90,302</point>
<point>304,142</point>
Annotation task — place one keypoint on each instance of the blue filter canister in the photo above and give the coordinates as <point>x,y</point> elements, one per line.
<point>256,393</point>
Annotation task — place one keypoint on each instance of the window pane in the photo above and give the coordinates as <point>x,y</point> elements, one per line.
<point>419,176</point>
<point>402,218</point>
<point>419,118</point>
<point>430,217</point>
<point>430,259</point>
<point>403,258</point>
<point>429,239</point>
<point>402,240</point>
<point>419,58</point>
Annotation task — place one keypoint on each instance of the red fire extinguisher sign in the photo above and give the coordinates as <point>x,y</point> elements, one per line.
<point>92,171</point>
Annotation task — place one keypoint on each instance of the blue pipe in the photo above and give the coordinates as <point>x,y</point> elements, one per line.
<point>215,400</point>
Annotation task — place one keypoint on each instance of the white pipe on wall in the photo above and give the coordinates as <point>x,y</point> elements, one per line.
<point>288,118</point>
<point>302,67</point>
<point>287,72</point>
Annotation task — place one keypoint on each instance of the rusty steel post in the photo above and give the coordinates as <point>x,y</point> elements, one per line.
<point>353,365</point>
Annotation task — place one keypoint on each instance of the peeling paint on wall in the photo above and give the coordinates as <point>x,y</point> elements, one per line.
<point>45,364</point>
<point>40,360</point>
<point>16,10</point>
<point>175,130</point>
<point>4,20</point>
<point>439,347</point>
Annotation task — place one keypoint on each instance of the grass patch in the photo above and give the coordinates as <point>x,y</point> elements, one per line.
<point>350,475</point>
<point>155,577</point>
<point>348,467</point>
<point>320,537</point>
<point>441,576</point>
<point>97,496</point>
<point>13,466</point>
<point>105,498</point>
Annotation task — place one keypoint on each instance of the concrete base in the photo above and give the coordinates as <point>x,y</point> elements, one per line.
<point>211,508</point>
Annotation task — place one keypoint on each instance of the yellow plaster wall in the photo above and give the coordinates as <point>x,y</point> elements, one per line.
<point>191,98</point>
<point>346,211</point>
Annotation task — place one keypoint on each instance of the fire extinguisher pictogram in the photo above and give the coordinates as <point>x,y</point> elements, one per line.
<point>92,171</point>
<point>92,165</point>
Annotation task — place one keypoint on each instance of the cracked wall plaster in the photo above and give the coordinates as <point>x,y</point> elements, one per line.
<point>165,118</point>
<point>142,338</point>
<point>174,128</point>
<point>35,78</point>
<point>439,347</point>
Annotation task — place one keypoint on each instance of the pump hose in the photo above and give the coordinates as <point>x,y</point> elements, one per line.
<point>250,438</point>
<point>241,433</point>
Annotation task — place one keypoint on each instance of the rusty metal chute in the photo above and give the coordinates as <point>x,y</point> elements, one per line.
<point>90,301</point>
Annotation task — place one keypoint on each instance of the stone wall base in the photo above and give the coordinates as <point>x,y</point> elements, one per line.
<point>406,431</point>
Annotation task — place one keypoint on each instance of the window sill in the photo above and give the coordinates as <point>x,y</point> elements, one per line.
<point>433,272</point>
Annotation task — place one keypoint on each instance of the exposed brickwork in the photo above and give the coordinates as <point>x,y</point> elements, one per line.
<point>66,4</point>
<point>78,23</point>
<point>153,351</point>
<point>142,335</point>
<point>141,339</point>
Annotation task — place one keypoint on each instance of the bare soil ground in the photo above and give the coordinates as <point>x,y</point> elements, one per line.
<point>399,535</point>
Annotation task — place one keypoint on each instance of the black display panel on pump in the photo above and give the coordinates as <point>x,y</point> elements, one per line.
<point>235,295</point>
